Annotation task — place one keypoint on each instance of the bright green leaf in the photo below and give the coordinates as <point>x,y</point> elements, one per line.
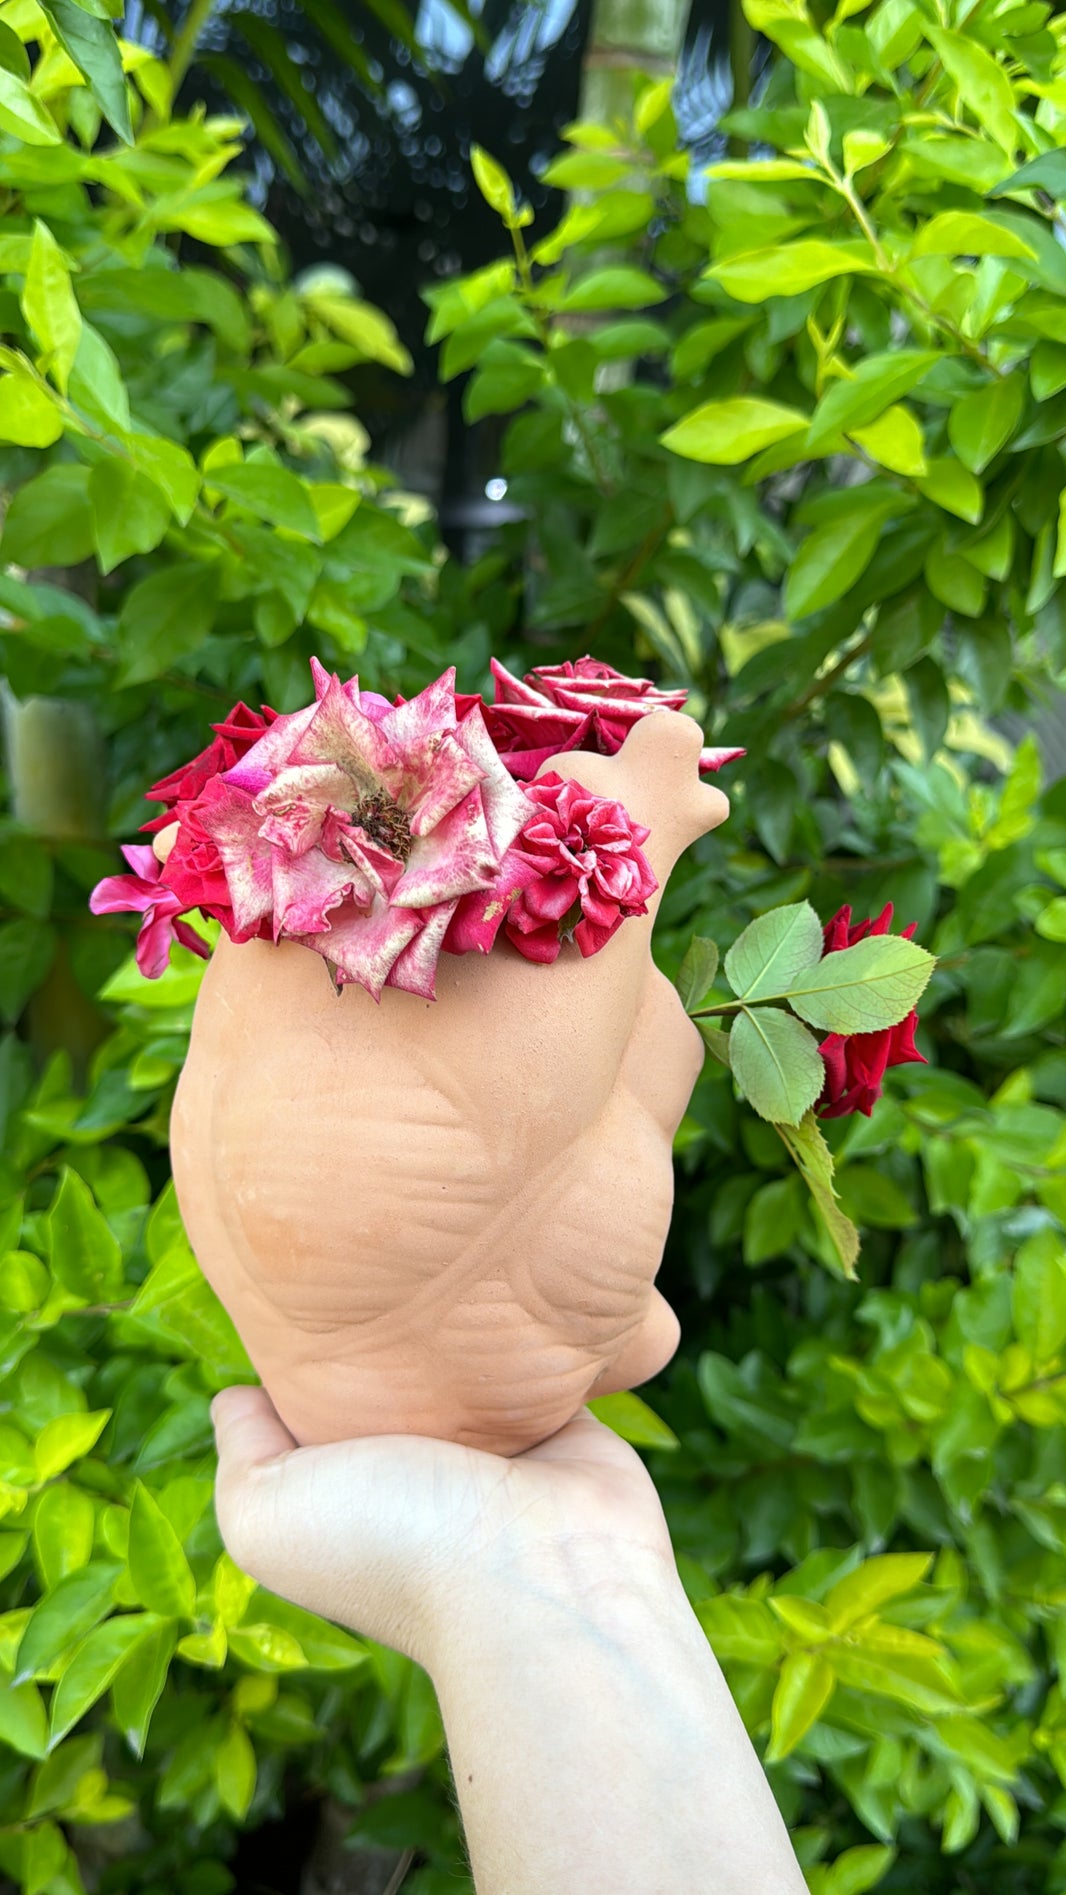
<point>726,432</point>
<point>83,1252</point>
<point>50,306</point>
<point>803,1690</point>
<point>633,1420</point>
<point>982,423</point>
<point>159,1571</point>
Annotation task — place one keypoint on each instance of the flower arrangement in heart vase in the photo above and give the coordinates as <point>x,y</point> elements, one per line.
<point>381,835</point>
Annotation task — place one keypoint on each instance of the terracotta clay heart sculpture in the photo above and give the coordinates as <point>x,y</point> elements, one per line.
<point>445,1218</point>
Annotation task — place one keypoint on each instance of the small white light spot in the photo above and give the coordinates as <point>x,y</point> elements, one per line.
<point>495,489</point>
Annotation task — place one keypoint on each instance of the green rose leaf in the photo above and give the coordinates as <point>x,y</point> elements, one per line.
<point>776,1064</point>
<point>863,988</point>
<point>772,950</point>
<point>696,974</point>
<point>806,1146</point>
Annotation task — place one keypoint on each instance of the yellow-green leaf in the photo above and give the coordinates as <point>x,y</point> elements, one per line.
<point>723,433</point>
<point>29,415</point>
<point>50,306</point>
<point>803,1690</point>
<point>159,1571</point>
<point>633,1420</point>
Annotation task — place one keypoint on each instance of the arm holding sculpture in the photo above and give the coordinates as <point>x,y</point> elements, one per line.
<point>594,1744</point>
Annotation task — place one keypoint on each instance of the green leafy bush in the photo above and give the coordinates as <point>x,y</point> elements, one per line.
<point>794,439</point>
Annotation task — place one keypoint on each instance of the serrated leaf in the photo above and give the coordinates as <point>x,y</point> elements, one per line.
<point>772,950</point>
<point>809,1151</point>
<point>776,1064</point>
<point>863,988</point>
<point>695,976</point>
<point>715,1040</point>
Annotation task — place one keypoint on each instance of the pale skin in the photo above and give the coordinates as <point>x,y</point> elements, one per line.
<point>594,1745</point>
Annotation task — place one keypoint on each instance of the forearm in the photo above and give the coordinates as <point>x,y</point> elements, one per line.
<point>595,1747</point>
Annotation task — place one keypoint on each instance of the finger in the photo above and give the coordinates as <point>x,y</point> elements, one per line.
<point>164,839</point>
<point>248,1431</point>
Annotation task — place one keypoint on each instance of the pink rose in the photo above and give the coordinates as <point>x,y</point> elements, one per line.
<point>590,874</point>
<point>356,827</point>
<point>145,893</point>
<point>580,705</point>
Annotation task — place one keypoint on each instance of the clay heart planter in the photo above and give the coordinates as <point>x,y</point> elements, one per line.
<point>445,1218</point>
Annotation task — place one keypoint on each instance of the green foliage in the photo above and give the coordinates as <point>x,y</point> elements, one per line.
<point>790,436</point>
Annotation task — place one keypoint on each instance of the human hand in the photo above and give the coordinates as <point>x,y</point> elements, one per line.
<point>406,1539</point>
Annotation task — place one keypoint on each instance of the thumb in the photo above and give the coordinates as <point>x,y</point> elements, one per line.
<point>250,1438</point>
<point>248,1430</point>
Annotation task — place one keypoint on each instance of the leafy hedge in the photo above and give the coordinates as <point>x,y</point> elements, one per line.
<point>791,435</point>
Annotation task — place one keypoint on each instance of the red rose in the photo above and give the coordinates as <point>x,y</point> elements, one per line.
<point>233,738</point>
<point>856,1063</point>
<point>590,872</point>
<point>580,705</point>
<point>193,869</point>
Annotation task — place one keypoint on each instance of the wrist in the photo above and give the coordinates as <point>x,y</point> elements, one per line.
<point>582,1582</point>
